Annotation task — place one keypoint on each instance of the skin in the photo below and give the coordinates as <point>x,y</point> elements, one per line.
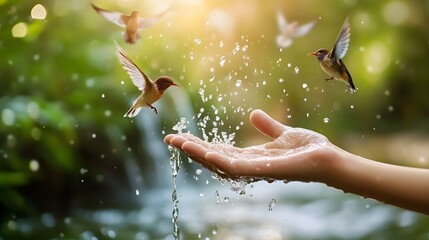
<point>296,154</point>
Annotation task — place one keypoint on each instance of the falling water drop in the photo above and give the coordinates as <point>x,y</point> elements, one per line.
<point>238,83</point>
<point>197,41</point>
<point>271,205</point>
<point>296,70</point>
<point>326,120</point>
<point>222,61</point>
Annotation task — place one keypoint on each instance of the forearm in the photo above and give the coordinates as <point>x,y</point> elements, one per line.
<point>404,187</point>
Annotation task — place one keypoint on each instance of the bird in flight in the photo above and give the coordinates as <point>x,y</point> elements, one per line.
<point>291,30</point>
<point>152,91</point>
<point>132,23</point>
<point>331,62</point>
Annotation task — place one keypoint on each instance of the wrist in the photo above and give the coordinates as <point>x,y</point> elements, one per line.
<point>333,165</point>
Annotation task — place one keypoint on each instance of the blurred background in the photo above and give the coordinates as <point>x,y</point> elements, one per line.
<point>72,167</point>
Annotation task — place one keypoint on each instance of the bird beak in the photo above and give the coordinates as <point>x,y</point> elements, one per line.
<point>175,84</point>
<point>312,53</point>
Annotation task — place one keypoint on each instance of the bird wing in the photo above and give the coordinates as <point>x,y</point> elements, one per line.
<point>140,80</point>
<point>147,22</point>
<point>342,43</point>
<point>281,21</point>
<point>113,17</point>
<point>304,29</point>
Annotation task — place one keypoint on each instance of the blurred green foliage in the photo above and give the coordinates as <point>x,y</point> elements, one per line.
<point>64,142</point>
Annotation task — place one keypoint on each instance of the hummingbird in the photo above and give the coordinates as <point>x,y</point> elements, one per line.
<point>290,30</point>
<point>132,23</point>
<point>151,90</point>
<point>331,62</point>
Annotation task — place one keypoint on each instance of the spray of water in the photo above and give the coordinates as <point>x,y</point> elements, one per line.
<point>175,166</point>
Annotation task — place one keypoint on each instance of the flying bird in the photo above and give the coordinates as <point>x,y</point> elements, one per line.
<point>291,30</point>
<point>132,23</point>
<point>331,62</point>
<point>152,91</point>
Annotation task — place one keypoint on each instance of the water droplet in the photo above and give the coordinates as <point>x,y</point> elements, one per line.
<point>226,199</point>
<point>296,70</point>
<point>137,192</point>
<point>271,205</point>
<point>281,80</point>
<point>102,95</point>
<point>326,120</point>
<point>222,61</point>
<point>352,106</point>
<point>191,55</point>
<point>304,85</point>
<point>197,41</point>
<point>390,108</point>
<point>221,44</point>
<point>93,135</point>
<point>238,83</point>
<point>198,171</point>
<point>289,65</point>
<point>212,77</point>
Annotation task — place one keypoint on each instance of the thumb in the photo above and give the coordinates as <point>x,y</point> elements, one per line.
<point>266,125</point>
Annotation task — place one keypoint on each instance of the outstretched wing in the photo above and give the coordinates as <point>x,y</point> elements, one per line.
<point>113,17</point>
<point>140,80</point>
<point>342,43</point>
<point>147,22</point>
<point>281,21</point>
<point>304,29</point>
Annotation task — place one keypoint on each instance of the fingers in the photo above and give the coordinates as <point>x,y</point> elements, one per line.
<point>168,138</point>
<point>189,144</point>
<point>201,152</point>
<point>266,125</point>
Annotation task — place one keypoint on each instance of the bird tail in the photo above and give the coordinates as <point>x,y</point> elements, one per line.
<point>132,112</point>
<point>130,39</point>
<point>350,82</point>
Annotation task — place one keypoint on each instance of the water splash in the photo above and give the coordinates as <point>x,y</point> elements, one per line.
<point>175,166</point>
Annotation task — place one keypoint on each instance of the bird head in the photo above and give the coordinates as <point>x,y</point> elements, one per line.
<point>162,83</point>
<point>135,14</point>
<point>320,54</point>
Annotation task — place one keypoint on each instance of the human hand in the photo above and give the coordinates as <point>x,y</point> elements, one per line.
<point>294,154</point>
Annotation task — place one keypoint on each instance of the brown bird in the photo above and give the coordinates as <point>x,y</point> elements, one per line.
<point>132,23</point>
<point>331,62</point>
<point>151,91</point>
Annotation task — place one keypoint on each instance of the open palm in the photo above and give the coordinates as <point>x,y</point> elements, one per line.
<point>294,154</point>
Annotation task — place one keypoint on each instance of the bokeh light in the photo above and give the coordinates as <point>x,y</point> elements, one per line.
<point>38,12</point>
<point>19,30</point>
